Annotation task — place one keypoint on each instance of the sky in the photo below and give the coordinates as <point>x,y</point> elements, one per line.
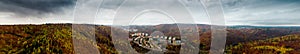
<point>236,12</point>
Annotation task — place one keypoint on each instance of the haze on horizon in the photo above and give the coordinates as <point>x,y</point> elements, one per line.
<point>237,12</point>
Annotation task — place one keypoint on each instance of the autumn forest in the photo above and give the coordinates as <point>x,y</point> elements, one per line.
<point>59,39</point>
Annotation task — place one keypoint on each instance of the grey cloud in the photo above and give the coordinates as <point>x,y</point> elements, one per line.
<point>240,11</point>
<point>114,4</point>
<point>111,4</point>
<point>133,5</point>
<point>34,7</point>
<point>262,12</point>
<point>238,5</point>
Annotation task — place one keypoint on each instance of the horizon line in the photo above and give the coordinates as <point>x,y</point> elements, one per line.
<point>138,24</point>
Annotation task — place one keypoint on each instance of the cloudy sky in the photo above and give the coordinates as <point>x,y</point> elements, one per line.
<point>236,12</point>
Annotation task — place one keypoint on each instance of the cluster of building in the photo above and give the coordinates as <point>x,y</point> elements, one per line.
<point>147,41</point>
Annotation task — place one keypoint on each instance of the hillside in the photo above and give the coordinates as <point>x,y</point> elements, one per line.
<point>51,38</point>
<point>58,38</point>
<point>235,34</point>
<point>288,44</point>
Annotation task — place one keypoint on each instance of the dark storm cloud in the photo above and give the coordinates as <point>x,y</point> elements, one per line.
<point>34,7</point>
